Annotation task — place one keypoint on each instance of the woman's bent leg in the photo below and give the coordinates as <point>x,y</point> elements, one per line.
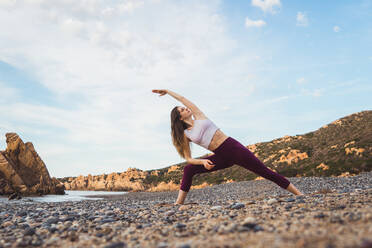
<point>192,169</point>
<point>188,172</point>
<point>181,197</point>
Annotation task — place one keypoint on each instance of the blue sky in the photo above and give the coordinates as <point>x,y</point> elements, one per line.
<point>76,76</point>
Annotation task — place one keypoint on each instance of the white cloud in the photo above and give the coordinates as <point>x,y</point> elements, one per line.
<point>7,93</point>
<point>336,29</point>
<point>251,23</point>
<point>317,92</point>
<point>313,93</point>
<point>266,5</point>
<point>130,6</point>
<point>109,61</point>
<point>276,100</point>
<point>7,3</point>
<point>302,19</point>
<point>300,80</point>
<point>72,26</point>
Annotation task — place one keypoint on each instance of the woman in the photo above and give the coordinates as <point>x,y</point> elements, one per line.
<point>227,151</point>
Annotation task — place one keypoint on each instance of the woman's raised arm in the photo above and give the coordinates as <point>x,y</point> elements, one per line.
<point>182,99</point>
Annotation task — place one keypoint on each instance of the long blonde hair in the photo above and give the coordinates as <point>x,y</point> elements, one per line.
<point>179,139</point>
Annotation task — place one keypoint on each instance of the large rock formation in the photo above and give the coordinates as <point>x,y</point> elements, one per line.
<point>130,180</point>
<point>22,170</point>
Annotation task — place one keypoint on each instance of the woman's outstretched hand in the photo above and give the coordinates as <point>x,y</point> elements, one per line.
<point>161,92</point>
<point>207,164</point>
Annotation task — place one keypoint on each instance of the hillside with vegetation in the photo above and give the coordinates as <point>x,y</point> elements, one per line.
<point>341,148</point>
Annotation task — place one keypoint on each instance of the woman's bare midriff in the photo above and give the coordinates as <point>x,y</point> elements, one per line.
<point>218,138</point>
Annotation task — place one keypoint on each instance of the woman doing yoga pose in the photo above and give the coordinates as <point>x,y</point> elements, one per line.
<point>227,151</point>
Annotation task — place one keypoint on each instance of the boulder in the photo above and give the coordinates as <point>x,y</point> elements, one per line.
<point>23,172</point>
<point>5,187</point>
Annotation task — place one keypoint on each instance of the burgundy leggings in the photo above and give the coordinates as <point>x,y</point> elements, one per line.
<point>232,152</point>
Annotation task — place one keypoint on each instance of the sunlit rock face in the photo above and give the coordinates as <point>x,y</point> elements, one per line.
<point>130,180</point>
<point>23,171</point>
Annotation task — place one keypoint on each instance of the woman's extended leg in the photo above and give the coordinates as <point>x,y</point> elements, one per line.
<point>245,158</point>
<point>291,188</point>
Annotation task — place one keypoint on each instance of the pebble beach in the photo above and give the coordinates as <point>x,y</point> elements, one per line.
<point>334,212</point>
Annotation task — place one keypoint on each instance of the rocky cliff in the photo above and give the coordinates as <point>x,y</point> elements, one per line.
<point>22,170</point>
<point>131,180</point>
<point>343,147</point>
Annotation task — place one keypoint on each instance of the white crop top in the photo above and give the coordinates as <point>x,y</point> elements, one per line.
<point>202,132</point>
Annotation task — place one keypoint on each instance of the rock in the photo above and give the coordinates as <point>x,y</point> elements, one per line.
<point>68,218</point>
<point>293,157</point>
<point>354,216</point>
<point>249,225</point>
<point>52,221</point>
<point>29,231</point>
<point>258,228</point>
<point>272,201</point>
<point>130,180</point>
<point>73,236</point>
<point>37,243</point>
<point>116,245</point>
<point>169,213</point>
<point>183,246</point>
<point>99,235</point>
<point>21,213</point>
<point>162,245</point>
<point>339,207</point>
<point>237,206</point>
<point>184,207</point>
<point>107,220</point>
<point>288,207</point>
<point>180,225</point>
<point>336,219</point>
<point>23,171</point>
<point>249,220</point>
<point>290,200</point>
<point>14,196</point>
<point>52,229</point>
<point>320,216</point>
<point>5,186</point>
<point>7,223</point>
<point>216,208</point>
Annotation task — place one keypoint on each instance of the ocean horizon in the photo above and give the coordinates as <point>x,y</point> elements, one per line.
<point>71,195</point>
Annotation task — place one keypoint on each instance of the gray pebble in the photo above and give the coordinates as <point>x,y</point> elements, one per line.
<point>29,231</point>
<point>52,220</point>
<point>180,225</point>
<point>116,245</point>
<point>237,206</point>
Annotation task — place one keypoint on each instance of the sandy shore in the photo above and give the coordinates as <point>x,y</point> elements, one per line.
<point>335,212</point>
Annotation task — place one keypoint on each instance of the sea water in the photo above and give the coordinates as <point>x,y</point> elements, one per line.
<point>71,195</point>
